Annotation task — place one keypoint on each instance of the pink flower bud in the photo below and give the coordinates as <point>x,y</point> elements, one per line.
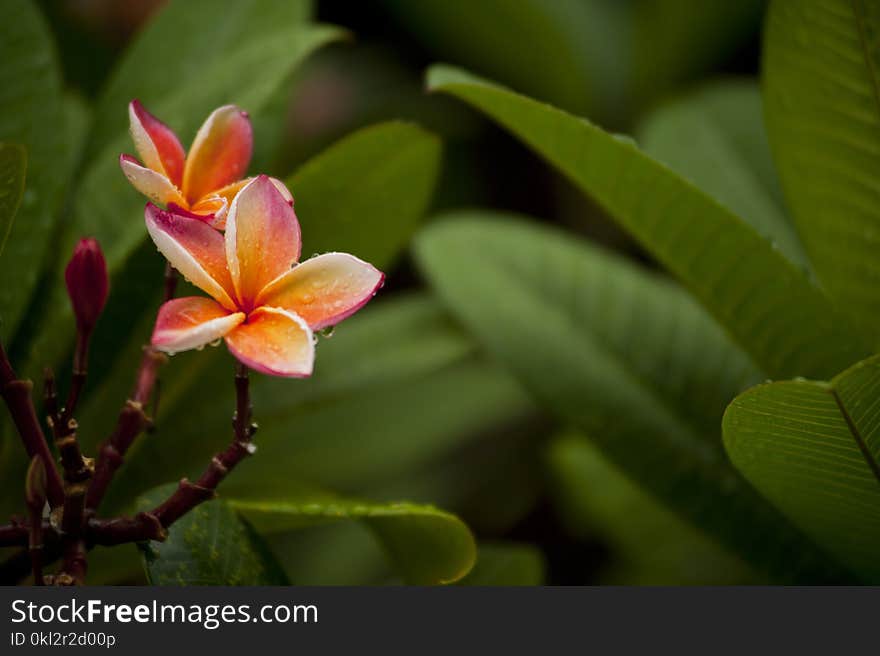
<point>87,283</point>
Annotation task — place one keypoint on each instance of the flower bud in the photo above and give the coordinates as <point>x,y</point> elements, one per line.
<point>87,283</point>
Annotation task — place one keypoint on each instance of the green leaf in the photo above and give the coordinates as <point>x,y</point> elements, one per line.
<point>647,544</point>
<point>209,546</point>
<point>671,41</point>
<point>770,307</point>
<point>812,448</point>
<point>562,39</point>
<point>366,193</point>
<point>626,357</point>
<point>31,115</point>
<point>341,553</point>
<point>13,163</point>
<point>715,138</point>
<point>506,564</point>
<point>182,46</point>
<point>428,546</point>
<point>609,58</point>
<point>822,82</point>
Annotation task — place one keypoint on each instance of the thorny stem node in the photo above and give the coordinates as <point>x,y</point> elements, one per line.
<point>78,470</point>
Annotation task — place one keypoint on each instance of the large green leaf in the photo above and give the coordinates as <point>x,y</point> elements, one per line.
<point>771,308</point>
<point>507,564</point>
<point>427,545</point>
<point>626,357</point>
<point>608,58</point>
<point>562,40</point>
<point>341,553</point>
<point>13,163</point>
<point>647,544</point>
<point>674,40</point>
<point>366,193</point>
<point>812,448</point>
<point>822,83</point>
<point>715,138</point>
<point>31,115</point>
<point>493,482</point>
<point>209,546</point>
<point>174,53</point>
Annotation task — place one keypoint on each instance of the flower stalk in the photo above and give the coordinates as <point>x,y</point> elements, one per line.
<point>35,499</point>
<point>133,420</point>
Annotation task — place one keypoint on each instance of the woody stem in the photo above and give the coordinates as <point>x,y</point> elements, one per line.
<point>17,395</point>
<point>154,524</point>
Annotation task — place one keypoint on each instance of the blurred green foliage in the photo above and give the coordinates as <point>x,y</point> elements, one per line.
<point>517,403</point>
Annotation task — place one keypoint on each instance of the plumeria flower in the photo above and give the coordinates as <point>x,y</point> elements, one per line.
<point>264,309</point>
<point>203,182</point>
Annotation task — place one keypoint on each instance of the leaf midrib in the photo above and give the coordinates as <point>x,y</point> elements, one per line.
<point>856,434</point>
<point>873,76</point>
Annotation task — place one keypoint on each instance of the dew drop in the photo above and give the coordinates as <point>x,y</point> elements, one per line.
<point>327,332</point>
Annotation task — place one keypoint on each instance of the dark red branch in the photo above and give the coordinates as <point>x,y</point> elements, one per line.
<point>14,534</point>
<point>19,565</point>
<point>35,499</point>
<point>35,546</point>
<point>133,419</point>
<point>153,525</point>
<point>17,395</point>
<point>78,377</point>
<point>78,472</point>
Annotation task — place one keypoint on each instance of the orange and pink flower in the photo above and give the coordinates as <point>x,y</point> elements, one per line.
<point>264,304</point>
<point>203,181</point>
